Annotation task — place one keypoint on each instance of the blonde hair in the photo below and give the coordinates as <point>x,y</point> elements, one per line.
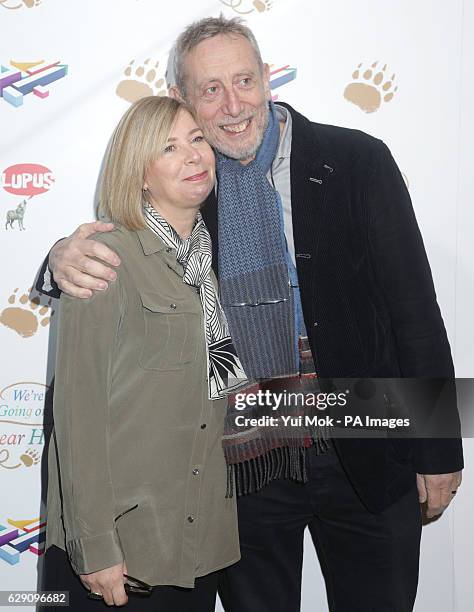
<point>138,139</point>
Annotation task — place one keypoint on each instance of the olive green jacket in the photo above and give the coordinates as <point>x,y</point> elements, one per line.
<point>137,442</point>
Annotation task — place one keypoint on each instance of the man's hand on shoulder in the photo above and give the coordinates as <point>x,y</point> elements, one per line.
<point>437,490</point>
<point>74,270</point>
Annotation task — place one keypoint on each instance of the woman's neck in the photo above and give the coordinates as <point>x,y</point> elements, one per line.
<point>182,220</point>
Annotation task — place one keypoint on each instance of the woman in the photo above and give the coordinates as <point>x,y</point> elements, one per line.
<point>137,477</point>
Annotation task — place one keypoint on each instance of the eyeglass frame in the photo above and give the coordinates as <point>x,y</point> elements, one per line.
<point>139,589</point>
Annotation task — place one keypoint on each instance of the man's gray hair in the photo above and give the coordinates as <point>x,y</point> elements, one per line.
<point>202,30</point>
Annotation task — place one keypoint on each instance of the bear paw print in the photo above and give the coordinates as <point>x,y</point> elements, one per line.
<point>140,82</point>
<point>30,457</point>
<point>370,87</point>
<point>26,317</point>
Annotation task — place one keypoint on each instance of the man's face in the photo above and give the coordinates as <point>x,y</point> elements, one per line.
<point>229,93</point>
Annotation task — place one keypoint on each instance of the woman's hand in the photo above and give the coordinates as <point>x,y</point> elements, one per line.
<point>109,583</point>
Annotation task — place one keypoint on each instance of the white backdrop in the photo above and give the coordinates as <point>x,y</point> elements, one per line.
<point>52,146</point>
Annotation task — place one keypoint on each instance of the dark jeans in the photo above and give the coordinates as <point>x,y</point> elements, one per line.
<point>58,575</point>
<point>369,561</point>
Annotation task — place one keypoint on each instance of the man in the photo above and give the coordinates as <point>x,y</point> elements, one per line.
<point>337,222</point>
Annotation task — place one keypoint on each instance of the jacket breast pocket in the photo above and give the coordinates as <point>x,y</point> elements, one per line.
<point>172,332</point>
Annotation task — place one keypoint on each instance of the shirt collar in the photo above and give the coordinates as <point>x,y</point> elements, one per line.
<point>284,147</point>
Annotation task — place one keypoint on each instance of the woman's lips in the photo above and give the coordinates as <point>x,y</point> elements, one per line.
<point>197,177</point>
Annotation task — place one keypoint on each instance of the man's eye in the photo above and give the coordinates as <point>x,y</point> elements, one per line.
<point>246,82</point>
<point>211,90</point>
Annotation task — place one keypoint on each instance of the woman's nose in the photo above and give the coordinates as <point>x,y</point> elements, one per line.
<point>192,156</point>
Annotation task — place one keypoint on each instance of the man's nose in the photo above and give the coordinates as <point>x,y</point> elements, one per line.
<point>232,105</point>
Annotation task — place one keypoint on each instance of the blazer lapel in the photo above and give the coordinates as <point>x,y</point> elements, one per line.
<point>312,171</point>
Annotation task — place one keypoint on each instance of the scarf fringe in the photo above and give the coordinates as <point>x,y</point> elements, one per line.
<point>283,462</point>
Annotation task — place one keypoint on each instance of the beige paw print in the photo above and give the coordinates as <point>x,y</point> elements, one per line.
<point>26,317</point>
<point>241,7</point>
<point>371,87</point>
<point>262,5</point>
<point>30,457</point>
<point>141,81</point>
<point>16,4</point>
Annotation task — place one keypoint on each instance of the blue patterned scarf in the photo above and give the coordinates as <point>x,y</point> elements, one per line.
<point>253,269</point>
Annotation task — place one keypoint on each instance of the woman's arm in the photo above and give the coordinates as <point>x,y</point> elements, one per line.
<point>87,337</point>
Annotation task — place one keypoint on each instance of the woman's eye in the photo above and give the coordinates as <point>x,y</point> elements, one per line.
<point>169,149</point>
<point>198,139</point>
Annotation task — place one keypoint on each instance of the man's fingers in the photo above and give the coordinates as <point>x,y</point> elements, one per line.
<point>94,268</point>
<point>420,483</point>
<point>80,279</point>
<point>102,252</point>
<point>87,229</point>
<point>73,290</point>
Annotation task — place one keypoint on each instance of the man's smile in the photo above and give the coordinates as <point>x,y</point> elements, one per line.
<point>236,128</point>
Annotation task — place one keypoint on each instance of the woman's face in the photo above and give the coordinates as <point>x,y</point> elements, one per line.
<point>183,174</point>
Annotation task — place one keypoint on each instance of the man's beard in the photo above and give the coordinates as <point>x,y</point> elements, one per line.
<point>259,121</point>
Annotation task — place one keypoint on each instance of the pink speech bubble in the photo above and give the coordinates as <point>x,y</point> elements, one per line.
<point>27,179</point>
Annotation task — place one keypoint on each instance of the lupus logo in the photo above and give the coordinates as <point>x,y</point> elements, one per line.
<point>281,76</point>
<point>24,180</point>
<point>19,536</point>
<point>22,78</point>
<point>27,179</point>
<point>22,407</point>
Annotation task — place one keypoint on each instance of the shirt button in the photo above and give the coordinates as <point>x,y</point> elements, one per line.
<point>169,249</point>
<point>203,426</point>
<point>190,518</point>
<point>173,306</point>
<point>196,471</point>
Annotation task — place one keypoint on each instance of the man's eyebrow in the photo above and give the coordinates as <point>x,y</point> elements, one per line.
<point>196,129</point>
<point>215,79</point>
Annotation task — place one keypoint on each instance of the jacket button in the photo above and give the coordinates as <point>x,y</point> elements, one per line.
<point>173,306</point>
<point>196,471</point>
<point>190,518</point>
<point>315,324</point>
<point>203,426</point>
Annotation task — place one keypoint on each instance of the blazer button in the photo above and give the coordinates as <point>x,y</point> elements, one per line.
<point>196,472</point>
<point>173,306</point>
<point>315,324</point>
<point>190,518</point>
<point>203,426</point>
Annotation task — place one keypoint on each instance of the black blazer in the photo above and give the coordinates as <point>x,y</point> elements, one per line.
<point>367,292</point>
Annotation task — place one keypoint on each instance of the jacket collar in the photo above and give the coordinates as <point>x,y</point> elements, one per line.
<point>151,243</point>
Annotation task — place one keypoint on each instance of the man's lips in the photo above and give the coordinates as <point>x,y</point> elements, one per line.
<point>235,129</point>
<point>197,177</point>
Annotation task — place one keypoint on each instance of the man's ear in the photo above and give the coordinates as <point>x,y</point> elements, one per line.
<point>266,81</point>
<point>174,92</point>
